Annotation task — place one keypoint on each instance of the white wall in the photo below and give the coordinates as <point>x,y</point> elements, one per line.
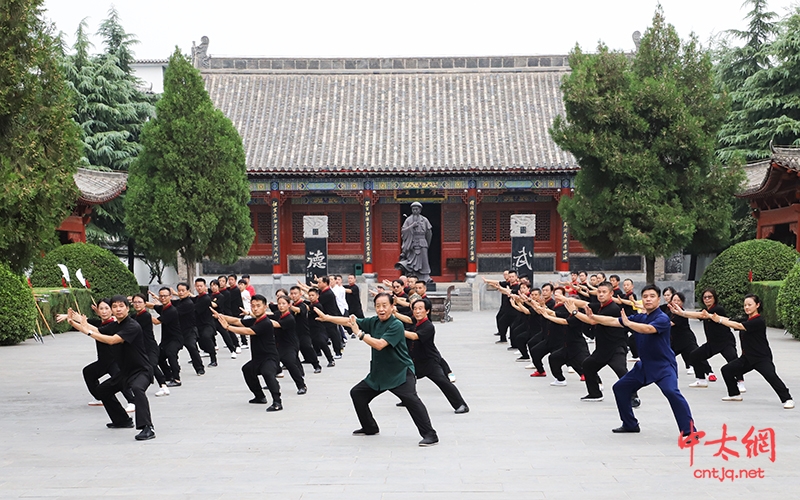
<point>150,74</point>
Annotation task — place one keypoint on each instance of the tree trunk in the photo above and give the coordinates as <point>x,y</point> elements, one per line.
<point>650,269</point>
<point>189,272</point>
<point>131,253</point>
<point>692,267</point>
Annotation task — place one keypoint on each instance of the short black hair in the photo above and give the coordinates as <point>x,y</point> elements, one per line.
<point>756,299</point>
<point>232,276</point>
<point>425,302</point>
<point>614,277</point>
<point>653,288</point>
<point>199,280</point>
<point>382,294</point>
<point>182,284</point>
<point>606,284</point>
<point>242,282</point>
<point>246,276</point>
<point>295,287</point>
<point>165,288</point>
<point>547,285</point>
<point>214,282</point>
<point>325,280</point>
<point>141,296</point>
<point>258,298</point>
<point>120,299</point>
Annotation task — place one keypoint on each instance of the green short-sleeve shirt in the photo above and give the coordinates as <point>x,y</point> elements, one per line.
<point>389,366</point>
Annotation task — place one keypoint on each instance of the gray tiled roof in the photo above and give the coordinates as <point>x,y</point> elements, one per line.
<point>759,183</point>
<point>433,121</point>
<point>98,186</point>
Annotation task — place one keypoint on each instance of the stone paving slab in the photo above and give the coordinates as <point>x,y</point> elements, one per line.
<point>521,439</point>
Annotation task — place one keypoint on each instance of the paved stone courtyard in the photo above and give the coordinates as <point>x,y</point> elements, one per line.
<point>521,439</point>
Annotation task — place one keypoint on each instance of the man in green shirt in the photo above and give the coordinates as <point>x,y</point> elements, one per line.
<point>391,369</point>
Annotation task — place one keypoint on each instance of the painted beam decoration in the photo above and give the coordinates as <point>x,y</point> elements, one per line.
<point>523,230</point>
<point>315,234</point>
<point>511,183</point>
<point>367,231</point>
<point>471,217</point>
<point>276,238</point>
<point>564,242</point>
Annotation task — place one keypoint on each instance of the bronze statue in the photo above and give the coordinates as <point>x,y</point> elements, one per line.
<point>416,233</point>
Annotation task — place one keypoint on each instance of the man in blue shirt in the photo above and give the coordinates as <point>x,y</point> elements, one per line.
<point>656,362</point>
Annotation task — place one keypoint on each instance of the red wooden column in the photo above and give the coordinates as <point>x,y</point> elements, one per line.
<point>368,264</point>
<point>275,208</point>
<point>472,210</point>
<point>562,255</point>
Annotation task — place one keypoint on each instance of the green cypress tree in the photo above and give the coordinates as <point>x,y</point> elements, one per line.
<point>39,142</point>
<point>188,189</point>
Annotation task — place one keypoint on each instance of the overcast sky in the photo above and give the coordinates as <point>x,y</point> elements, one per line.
<point>385,28</point>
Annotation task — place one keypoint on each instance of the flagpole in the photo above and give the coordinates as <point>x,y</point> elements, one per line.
<point>36,302</point>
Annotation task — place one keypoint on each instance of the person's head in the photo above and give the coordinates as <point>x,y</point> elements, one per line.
<point>325,280</point>
<point>200,286</point>
<point>313,294</point>
<point>138,301</point>
<point>164,295</point>
<point>283,303</point>
<point>709,297</point>
<point>667,294</point>
<point>232,281</point>
<point>338,279</point>
<point>214,286</point>
<point>416,208</point>
<point>627,285</point>
<point>120,307</point>
<point>559,294</point>
<point>420,309</point>
<point>383,305</point>
<point>593,280</point>
<point>411,280</point>
<point>582,276</point>
<point>246,278</point>
<point>605,291</point>
<point>752,305</point>
<point>547,291</point>
<point>573,276</point>
<point>403,280</point>
<point>223,282</point>
<point>242,285</point>
<point>601,277</point>
<point>104,309</point>
<point>651,296</point>
<point>183,290</point>
<point>351,279</point>
<point>512,277</point>
<point>295,293</point>
<point>614,279</point>
<point>420,288</point>
<point>525,280</point>
<point>281,292</point>
<point>678,299</point>
<point>258,305</point>
<point>397,287</point>
<point>524,288</point>
<point>535,293</point>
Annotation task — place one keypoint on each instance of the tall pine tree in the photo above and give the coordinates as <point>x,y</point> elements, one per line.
<point>188,189</point>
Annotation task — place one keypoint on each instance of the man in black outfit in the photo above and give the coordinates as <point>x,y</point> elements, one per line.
<point>353,297</point>
<point>136,372</point>
<point>235,303</point>
<point>319,337</point>
<point>204,320</point>
<point>187,317</point>
<point>506,314</point>
<point>328,302</point>
<point>300,311</point>
<point>228,310</point>
<point>171,336</point>
<point>264,353</point>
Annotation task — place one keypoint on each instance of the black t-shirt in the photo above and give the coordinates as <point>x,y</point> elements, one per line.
<point>558,333</point>
<point>170,324</point>
<point>285,336</point>
<point>219,299</point>
<point>202,310</point>
<point>145,321</point>
<point>534,321</point>
<point>353,300</point>
<point>314,326</point>
<point>680,332</point>
<point>262,344</point>
<point>617,292</point>
<point>105,352</point>
<point>235,301</point>
<point>328,301</point>
<point>301,319</point>
<point>754,339</point>
<point>608,337</point>
<point>228,311</point>
<point>186,314</point>
<point>716,333</point>
<point>423,351</point>
<point>133,356</point>
<point>629,310</point>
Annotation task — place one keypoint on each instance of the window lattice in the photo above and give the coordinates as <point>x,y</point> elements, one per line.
<point>297,227</point>
<point>542,225</point>
<point>352,226</point>
<point>390,226</point>
<point>335,229</point>
<point>263,227</point>
<point>505,225</point>
<point>489,226</point>
<point>452,226</point>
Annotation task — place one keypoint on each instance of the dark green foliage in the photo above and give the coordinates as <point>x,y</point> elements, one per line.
<point>58,301</point>
<point>789,302</point>
<point>188,190</point>
<point>728,273</point>
<point>107,276</point>
<point>39,145</point>
<point>643,131</point>
<point>768,291</point>
<point>17,309</point>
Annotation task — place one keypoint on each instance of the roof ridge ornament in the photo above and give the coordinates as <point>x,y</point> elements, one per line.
<point>637,39</point>
<point>200,58</point>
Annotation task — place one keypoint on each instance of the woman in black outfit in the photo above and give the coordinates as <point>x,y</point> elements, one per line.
<point>681,338</point>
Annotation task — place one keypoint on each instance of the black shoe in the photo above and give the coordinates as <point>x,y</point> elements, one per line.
<point>501,342</point>
<point>592,399</point>
<point>429,441</point>
<point>636,402</point>
<point>462,409</point>
<point>275,407</point>
<point>362,432</point>
<point>511,348</point>
<point>174,383</point>
<point>201,372</point>
<point>213,363</point>
<point>124,425</point>
<point>331,364</point>
<point>302,391</point>
<point>318,370</point>
<point>147,433</point>
<point>622,429</point>
<point>401,404</point>
<point>258,401</point>
<point>496,334</point>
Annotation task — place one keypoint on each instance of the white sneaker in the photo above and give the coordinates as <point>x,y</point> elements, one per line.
<point>741,387</point>
<point>701,382</point>
<point>570,370</point>
<point>216,348</point>
<point>233,355</point>
<point>203,354</point>
<point>95,402</point>
<point>732,398</point>
<point>130,408</point>
<point>246,346</point>
<point>163,391</point>
<point>280,375</point>
<point>690,371</point>
<point>558,383</point>
<point>452,377</point>
<point>238,350</point>
<point>530,366</point>
<point>601,386</point>
<point>788,405</point>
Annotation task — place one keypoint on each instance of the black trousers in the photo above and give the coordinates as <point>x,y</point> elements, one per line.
<point>445,367</point>
<point>231,341</point>
<point>267,368</point>
<point>534,339</point>
<point>332,331</point>
<point>190,343</point>
<point>685,350</point>
<point>205,337</point>
<point>702,354</point>
<point>362,394</point>
<point>632,344</point>
<point>735,370</point>
<point>614,357</point>
<point>572,354</point>
<point>308,351</point>
<point>157,373</point>
<point>290,360</point>
<point>168,359</point>
<point>137,383</point>
<point>93,372</point>
<point>504,320</point>
<point>435,374</point>
<point>319,339</point>
<point>546,346</point>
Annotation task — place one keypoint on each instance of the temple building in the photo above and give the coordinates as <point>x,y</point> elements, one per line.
<point>359,140</point>
<point>95,187</point>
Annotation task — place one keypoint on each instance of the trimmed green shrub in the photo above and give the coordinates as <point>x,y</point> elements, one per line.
<point>728,273</point>
<point>17,309</point>
<point>768,291</point>
<point>106,274</point>
<point>789,302</point>
<point>54,301</point>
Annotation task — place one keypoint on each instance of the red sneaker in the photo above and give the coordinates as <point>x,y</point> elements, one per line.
<point>583,378</point>
<point>712,378</point>
<point>537,373</point>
